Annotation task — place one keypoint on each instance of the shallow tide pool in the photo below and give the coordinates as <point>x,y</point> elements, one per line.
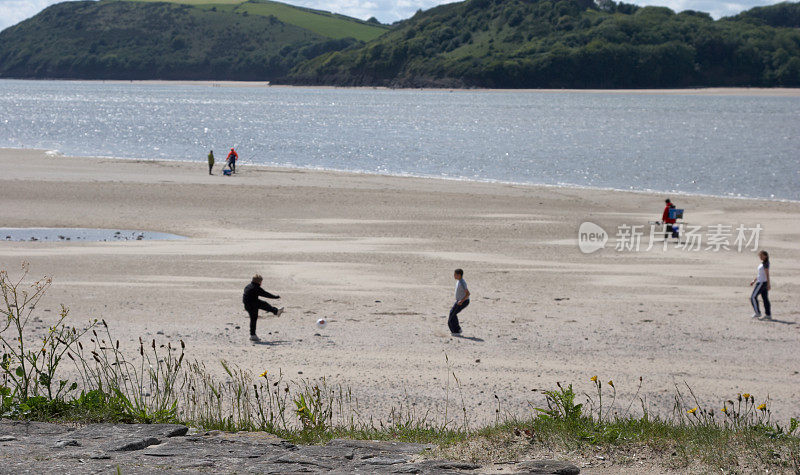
<point>82,234</point>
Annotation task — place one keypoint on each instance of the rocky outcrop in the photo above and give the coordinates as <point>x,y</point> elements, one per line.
<point>37,447</point>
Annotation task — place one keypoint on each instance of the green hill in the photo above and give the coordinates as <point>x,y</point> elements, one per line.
<point>784,14</point>
<point>476,43</point>
<point>323,23</point>
<point>138,40</point>
<point>568,44</point>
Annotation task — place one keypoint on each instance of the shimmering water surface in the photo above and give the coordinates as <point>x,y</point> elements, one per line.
<point>721,145</point>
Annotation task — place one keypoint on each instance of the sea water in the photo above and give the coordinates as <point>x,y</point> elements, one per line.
<point>727,145</point>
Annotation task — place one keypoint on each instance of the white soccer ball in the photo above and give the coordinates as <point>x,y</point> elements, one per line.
<point>322,323</point>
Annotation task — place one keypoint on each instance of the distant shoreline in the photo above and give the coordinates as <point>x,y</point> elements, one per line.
<point>699,91</point>
<point>362,173</point>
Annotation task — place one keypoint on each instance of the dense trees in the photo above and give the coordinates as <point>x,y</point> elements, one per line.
<point>571,43</point>
<point>127,40</point>
<point>480,43</point>
<point>781,15</point>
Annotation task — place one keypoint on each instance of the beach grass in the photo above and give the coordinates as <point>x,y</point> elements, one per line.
<point>159,384</point>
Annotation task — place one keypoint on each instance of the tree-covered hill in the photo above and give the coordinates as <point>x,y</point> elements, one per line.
<point>570,44</point>
<point>323,23</point>
<point>134,40</point>
<point>784,14</point>
<point>475,43</point>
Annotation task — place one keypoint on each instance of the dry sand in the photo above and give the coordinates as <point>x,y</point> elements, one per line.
<point>375,255</point>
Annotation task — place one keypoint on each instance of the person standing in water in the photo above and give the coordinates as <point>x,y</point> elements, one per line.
<point>462,300</point>
<point>761,287</point>
<point>210,161</point>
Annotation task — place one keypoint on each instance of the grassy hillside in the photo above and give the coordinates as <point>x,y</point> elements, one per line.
<point>130,40</point>
<point>569,43</point>
<point>322,23</point>
<point>476,43</point>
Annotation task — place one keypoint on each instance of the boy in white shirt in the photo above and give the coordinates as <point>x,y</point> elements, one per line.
<point>761,287</point>
<point>462,300</point>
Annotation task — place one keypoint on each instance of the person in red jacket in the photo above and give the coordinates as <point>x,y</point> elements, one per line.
<point>668,222</point>
<point>232,157</point>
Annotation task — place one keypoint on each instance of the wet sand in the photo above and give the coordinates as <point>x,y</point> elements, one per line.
<point>699,91</point>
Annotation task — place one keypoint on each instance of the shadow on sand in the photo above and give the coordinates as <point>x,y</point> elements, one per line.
<point>470,338</point>
<point>772,320</point>
<point>271,343</point>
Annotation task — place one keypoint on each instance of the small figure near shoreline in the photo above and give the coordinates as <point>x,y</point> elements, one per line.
<point>761,286</point>
<point>462,300</point>
<point>232,157</point>
<point>253,304</point>
<point>210,161</point>
<point>669,221</point>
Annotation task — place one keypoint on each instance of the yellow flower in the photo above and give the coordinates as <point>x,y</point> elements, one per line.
<point>724,409</point>
<point>611,383</point>
<point>593,379</point>
<point>762,407</point>
<point>692,411</point>
<point>746,395</point>
<point>264,374</point>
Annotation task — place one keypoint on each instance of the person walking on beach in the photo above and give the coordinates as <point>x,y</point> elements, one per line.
<point>252,303</point>
<point>462,300</point>
<point>761,287</point>
<point>232,157</point>
<point>675,227</point>
<point>210,161</point>
<point>668,222</point>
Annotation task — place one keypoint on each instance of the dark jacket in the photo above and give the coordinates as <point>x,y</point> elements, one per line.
<point>251,294</point>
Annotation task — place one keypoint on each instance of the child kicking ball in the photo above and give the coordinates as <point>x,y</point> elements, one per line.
<point>252,303</point>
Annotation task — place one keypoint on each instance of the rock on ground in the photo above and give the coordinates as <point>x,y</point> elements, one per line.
<point>40,447</point>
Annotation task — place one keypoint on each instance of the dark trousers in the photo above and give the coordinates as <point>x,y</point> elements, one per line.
<point>210,166</point>
<point>232,165</point>
<point>253,312</point>
<point>761,289</point>
<point>452,322</point>
<point>670,231</point>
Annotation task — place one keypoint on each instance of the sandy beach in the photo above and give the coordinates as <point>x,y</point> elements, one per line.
<point>694,91</point>
<point>375,256</point>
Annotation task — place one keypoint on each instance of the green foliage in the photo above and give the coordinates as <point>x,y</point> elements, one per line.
<point>561,405</point>
<point>570,44</point>
<point>28,366</point>
<point>783,14</point>
<point>132,40</point>
<point>476,43</point>
<point>731,437</point>
<point>313,410</point>
<point>323,23</point>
